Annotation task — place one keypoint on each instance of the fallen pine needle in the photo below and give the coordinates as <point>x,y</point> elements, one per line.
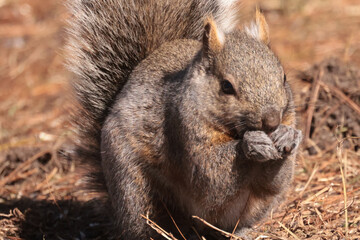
<point>237,224</point>
<point>343,178</point>
<point>317,194</point>
<point>196,232</point>
<point>47,179</point>
<point>339,94</point>
<point>226,234</point>
<point>313,98</point>
<point>172,219</point>
<point>356,220</point>
<point>158,229</point>
<point>310,178</point>
<point>319,214</point>
<point>288,230</point>
<point>21,167</point>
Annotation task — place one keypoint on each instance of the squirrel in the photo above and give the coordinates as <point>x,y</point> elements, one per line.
<point>181,112</point>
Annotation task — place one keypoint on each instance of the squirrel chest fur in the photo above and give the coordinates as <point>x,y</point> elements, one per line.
<point>202,127</point>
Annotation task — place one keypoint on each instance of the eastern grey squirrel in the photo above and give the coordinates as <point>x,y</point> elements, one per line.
<point>179,109</point>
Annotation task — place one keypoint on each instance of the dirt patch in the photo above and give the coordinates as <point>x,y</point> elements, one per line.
<point>333,100</point>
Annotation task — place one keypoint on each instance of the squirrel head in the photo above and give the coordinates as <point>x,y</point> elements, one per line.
<point>241,81</point>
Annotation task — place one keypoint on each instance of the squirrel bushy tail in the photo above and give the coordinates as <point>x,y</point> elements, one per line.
<point>108,38</point>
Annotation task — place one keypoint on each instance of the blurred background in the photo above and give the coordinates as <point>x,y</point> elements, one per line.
<point>317,41</point>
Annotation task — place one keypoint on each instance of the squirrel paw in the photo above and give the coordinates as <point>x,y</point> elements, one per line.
<point>258,146</point>
<point>286,139</point>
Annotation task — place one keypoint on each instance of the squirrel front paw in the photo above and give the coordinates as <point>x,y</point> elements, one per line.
<point>286,139</point>
<point>257,146</point>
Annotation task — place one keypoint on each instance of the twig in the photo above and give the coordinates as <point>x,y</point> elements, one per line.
<point>6,215</point>
<point>310,178</point>
<point>288,230</point>
<point>196,232</point>
<point>172,219</point>
<point>271,235</point>
<point>24,175</point>
<point>19,143</point>
<point>237,224</point>
<point>14,238</point>
<point>261,237</point>
<point>356,220</point>
<point>348,205</point>
<point>47,179</point>
<point>343,178</point>
<point>316,194</point>
<point>339,94</point>
<point>313,98</point>
<point>319,214</point>
<point>12,175</point>
<point>226,234</point>
<point>158,229</point>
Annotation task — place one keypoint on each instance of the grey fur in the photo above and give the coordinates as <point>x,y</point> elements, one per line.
<point>158,127</point>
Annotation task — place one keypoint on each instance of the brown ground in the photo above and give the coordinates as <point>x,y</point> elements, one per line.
<point>40,194</point>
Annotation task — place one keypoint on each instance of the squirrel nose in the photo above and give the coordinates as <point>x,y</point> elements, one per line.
<point>270,120</point>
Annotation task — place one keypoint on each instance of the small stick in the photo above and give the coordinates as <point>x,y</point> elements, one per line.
<point>197,234</point>
<point>310,178</point>
<point>316,194</point>
<point>6,215</point>
<point>356,220</point>
<point>158,229</point>
<point>47,179</point>
<point>319,214</point>
<point>172,219</point>
<point>267,235</point>
<point>343,178</point>
<point>313,98</point>
<point>237,224</point>
<point>339,94</point>
<point>13,238</point>
<point>25,174</point>
<point>288,230</point>
<point>226,234</point>
<point>12,175</point>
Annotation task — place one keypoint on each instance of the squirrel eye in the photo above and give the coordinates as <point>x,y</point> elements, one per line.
<point>227,87</point>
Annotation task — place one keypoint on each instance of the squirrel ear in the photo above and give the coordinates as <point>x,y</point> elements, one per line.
<point>213,39</point>
<point>259,29</point>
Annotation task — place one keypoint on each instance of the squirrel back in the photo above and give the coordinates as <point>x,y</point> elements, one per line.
<point>108,39</point>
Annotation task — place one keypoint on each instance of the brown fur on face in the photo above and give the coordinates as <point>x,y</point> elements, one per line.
<point>289,119</point>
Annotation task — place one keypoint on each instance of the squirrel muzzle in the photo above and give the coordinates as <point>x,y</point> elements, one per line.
<point>268,121</point>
